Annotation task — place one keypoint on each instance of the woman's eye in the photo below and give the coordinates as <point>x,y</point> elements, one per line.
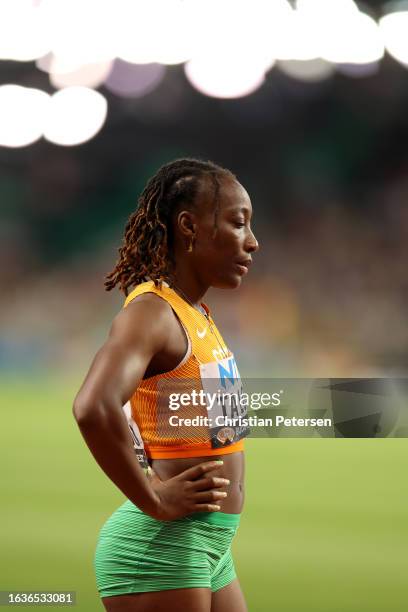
<point>239,224</point>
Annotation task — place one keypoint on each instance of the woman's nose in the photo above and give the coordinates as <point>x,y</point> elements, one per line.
<point>252,243</point>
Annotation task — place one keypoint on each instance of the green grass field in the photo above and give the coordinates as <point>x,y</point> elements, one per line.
<point>325,528</point>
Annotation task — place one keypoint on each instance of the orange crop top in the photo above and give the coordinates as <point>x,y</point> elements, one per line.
<point>194,409</point>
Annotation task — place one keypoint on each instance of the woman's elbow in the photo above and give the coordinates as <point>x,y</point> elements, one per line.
<point>85,410</point>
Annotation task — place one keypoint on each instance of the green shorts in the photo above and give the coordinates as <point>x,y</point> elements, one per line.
<point>136,553</point>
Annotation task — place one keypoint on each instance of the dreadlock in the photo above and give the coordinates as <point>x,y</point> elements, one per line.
<point>146,251</point>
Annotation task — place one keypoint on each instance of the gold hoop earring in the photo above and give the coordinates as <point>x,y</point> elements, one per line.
<point>190,246</point>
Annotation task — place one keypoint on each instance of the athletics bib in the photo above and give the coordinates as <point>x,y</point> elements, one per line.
<point>222,385</point>
<point>136,437</point>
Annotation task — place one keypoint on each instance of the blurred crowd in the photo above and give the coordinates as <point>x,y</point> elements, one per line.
<point>326,296</point>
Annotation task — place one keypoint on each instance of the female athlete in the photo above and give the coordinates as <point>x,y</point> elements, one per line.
<point>169,545</point>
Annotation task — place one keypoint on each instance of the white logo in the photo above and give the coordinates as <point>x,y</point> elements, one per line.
<point>201,334</point>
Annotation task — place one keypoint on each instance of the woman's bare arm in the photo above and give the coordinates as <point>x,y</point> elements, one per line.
<point>137,334</point>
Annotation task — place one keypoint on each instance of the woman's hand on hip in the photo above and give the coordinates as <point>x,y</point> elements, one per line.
<point>188,492</point>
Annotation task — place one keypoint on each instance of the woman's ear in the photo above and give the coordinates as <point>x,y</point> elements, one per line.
<point>186,224</point>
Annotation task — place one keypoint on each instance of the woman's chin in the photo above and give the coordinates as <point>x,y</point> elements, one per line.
<point>230,282</point>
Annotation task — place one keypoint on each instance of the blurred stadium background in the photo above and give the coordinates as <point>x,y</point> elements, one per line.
<point>307,103</point>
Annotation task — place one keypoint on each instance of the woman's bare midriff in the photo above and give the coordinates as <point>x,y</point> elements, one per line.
<point>233,469</point>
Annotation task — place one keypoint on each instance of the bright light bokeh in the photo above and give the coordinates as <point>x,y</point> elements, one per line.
<point>336,31</point>
<point>23,33</point>
<point>317,7</point>
<point>271,31</point>
<point>132,80</point>
<point>76,114</point>
<point>307,70</point>
<point>44,62</point>
<point>137,42</point>
<point>355,41</point>
<point>240,31</point>
<point>80,31</point>
<point>156,31</point>
<point>227,48</point>
<point>235,45</point>
<point>394,28</point>
<point>22,115</point>
<point>357,71</point>
<point>223,80</point>
<point>89,75</point>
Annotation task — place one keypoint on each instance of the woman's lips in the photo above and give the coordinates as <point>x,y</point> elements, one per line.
<point>242,268</point>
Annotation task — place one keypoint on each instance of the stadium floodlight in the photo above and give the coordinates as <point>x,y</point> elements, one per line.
<point>335,31</point>
<point>357,71</point>
<point>157,31</point>
<point>76,114</point>
<point>23,34</point>
<point>175,35</point>
<point>223,79</point>
<point>236,49</point>
<point>80,32</point>
<point>23,111</point>
<point>132,80</point>
<point>394,29</point>
<point>356,41</point>
<point>88,75</point>
<point>312,70</point>
<point>138,21</point>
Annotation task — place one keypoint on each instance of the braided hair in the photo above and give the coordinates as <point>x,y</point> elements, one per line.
<point>147,248</point>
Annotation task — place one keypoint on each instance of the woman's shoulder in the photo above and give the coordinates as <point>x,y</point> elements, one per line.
<point>150,288</point>
<point>149,305</point>
<point>145,316</point>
